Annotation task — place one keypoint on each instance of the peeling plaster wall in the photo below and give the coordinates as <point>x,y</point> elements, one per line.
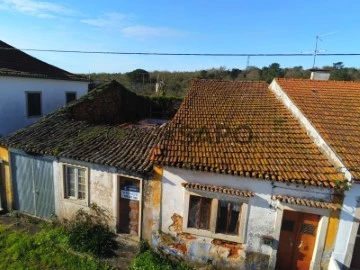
<point>262,217</point>
<point>101,190</point>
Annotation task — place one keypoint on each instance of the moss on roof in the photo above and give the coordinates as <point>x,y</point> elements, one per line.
<point>121,144</point>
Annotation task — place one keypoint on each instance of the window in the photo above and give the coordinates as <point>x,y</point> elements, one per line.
<point>70,96</point>
<point>75,182</point>
<point>215,215</point>
<point>228,217</point>
<point>199,212</point>
<point>33,102</point>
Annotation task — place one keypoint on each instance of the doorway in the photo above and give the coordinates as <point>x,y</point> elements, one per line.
<point>129,205</point>
<point>297,240</point>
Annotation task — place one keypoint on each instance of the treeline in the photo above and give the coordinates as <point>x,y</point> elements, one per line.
<point>176,83</point>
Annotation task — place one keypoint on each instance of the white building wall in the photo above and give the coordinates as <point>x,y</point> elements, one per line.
<point>13,113</point>
<point>262,214</point>
<point>102,190</point>
<point>346,235</point>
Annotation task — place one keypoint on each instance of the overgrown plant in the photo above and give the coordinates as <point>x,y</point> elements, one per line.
<point>89,232</point>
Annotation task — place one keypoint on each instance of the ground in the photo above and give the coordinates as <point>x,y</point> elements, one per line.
<point>127,248</point>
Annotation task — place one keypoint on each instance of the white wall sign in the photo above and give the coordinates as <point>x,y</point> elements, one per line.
<point>131,195</point>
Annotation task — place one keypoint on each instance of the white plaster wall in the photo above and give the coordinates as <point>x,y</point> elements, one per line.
<point>261,217</point>
<point>13,115</point>
<point>102,190</point>
<point>344,237</point>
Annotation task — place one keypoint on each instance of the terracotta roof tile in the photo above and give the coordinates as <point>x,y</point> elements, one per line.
<point>305,202</point>
<point>333,107</point>
<point>242,129</point>
<point>220,189</point>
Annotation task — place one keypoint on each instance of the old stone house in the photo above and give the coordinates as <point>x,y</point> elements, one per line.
<point>93,150</point>
<point>243,185</point>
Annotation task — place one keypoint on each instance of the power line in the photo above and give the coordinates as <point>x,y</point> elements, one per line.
<point>187,54</point>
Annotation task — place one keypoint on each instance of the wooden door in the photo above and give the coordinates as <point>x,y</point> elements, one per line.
<point>129,206</point>
<point>297,240</point>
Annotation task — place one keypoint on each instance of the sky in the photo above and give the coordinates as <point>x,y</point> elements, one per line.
<point>197,26</point>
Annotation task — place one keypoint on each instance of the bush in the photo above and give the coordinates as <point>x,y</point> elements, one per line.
<point>151,260</point>
<point>88,232</point>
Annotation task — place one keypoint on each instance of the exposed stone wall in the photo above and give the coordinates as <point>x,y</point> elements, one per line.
<point>114,104</point>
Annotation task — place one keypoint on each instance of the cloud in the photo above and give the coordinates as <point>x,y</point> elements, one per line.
<point>39,9</point>
<point>141,31</point>
<point>122,23</point>
<point>109,20</point>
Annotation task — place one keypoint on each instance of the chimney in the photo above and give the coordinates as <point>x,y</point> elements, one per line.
<point>320,74</point>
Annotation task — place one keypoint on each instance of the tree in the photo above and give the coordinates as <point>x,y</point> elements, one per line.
<point>271,72</point>
<point>252,74</point>
<point>138,76</point>
<point>234,73</point>
<point>339,73</point>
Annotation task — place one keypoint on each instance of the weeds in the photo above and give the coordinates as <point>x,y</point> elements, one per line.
<point>47,249</point>
<point>148,259</point>
<point>88,232</point>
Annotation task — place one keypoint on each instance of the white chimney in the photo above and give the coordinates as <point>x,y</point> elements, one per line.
<point>320,74</point>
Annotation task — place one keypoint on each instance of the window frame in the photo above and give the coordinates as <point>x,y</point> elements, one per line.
<point>216,197</point>
<point>65,180</point>
<point>66,96</point>
<point>27,104</point>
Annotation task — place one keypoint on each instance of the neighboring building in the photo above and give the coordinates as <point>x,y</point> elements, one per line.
<point>93,150</point>
<point>330,112</point>
<point>30,88</point>
<point>243,185</point>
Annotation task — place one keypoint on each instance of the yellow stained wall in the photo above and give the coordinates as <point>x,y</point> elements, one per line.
<point>334,220</point>
<point>151,205</point>
<point>157,186</point>
<point>5,178</point>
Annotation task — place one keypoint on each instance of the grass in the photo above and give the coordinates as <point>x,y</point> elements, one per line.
<point>151,260</point>
<point>47,249</point>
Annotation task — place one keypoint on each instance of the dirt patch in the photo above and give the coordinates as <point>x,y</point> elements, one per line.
<point>127,250</point>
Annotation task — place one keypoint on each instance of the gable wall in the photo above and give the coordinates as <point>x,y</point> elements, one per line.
<point>13,115</point>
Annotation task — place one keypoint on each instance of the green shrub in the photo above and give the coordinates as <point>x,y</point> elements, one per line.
<point>88,232</point>
<point>151,260</point>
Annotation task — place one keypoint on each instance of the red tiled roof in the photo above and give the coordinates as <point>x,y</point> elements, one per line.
<point>241,128</point>
<point>225,190</point>
<point>14,62</point>
<point>305,202</point>
<point>333,108</point>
